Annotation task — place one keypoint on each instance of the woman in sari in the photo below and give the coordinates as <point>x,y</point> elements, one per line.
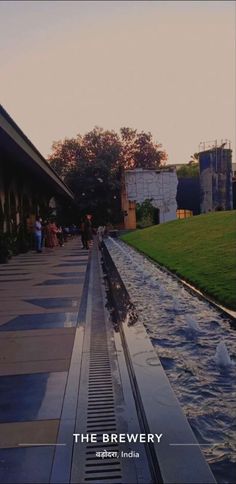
<point>51,235</point>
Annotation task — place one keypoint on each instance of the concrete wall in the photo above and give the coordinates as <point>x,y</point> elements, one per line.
<point>216,180</point>
<point>158,186</point>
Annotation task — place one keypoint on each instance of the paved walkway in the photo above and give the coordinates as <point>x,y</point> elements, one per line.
<point>62,371</point>
<point>40,297</point>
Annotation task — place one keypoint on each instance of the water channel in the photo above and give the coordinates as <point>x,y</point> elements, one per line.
<point>197,348</point>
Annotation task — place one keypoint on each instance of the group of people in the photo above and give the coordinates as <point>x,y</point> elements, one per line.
<point>50,234</point>
<point>47,234</point>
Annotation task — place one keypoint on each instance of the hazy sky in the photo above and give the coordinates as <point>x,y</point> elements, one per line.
<point>164,67</point>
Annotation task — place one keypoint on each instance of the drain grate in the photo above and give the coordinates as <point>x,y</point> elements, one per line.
<point>96,408</point>
<point>101,410</point>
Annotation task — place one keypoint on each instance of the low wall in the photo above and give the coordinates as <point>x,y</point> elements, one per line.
<point>160,186</point>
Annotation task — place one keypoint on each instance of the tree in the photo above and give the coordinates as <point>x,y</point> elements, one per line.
<point>140,151</point>
<point>65,155</point>
<point>97,189</point>
<point>194,159</point>
<point>145,213</point>
<point>190,169</point>
<point>128,137</point>
<point>92,165</point>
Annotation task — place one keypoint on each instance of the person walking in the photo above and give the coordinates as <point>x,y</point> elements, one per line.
<point>38,234</point>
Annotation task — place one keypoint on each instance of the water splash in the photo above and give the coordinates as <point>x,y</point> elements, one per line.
<point>176,305</point>
<point>222,357</point>
<point>162,291</point>
<point>153,283</point>
<point>145,276</point>
<point>192,323</point>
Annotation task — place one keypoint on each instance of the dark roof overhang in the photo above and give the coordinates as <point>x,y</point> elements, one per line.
<point>20,149</point>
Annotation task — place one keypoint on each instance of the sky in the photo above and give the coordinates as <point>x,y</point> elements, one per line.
<point>164,67</point>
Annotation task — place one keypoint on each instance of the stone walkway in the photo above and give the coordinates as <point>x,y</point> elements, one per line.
<point>40,298</point>
<point>62,371</point>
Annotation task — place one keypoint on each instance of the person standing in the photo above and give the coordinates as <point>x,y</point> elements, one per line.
<point>48,242</point>
<point>88,231</point>
<point>100,233</point>
<point>44,224</point>
<point>53,231</point>
<point>51,235</point>
<point>82,231</point>
<point>38,234</point>
<point>60,235</point>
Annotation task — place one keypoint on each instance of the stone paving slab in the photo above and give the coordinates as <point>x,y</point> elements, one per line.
<point>41,291</point>
<point>36,396</point>
<point>37,321</point>
<point>16,434</point>
<point>29,367</point>
<point>37,463</point>
<point>20,309</point>
<point>15,347</point>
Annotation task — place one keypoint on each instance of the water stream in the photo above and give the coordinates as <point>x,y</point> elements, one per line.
<point>197,348</point>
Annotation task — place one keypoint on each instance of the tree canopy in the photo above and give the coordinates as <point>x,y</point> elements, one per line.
<point>189,170</point>
<point>91,165</point>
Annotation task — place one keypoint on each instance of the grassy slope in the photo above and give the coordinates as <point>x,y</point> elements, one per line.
<point>201,249</point>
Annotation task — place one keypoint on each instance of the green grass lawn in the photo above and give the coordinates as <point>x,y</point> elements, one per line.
<point>200,249</point>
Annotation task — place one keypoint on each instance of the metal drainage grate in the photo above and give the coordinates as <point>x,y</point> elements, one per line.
<point>101,407</point>
<point>101,410</point>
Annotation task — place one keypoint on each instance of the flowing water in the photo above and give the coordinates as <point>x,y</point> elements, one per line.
<point>197,348</point>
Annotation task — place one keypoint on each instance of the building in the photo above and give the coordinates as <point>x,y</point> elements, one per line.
<point>215,163</point>
<point>158,186</point>
<point>188,194</point>
<point>28,185</point>
<point>234,184</point>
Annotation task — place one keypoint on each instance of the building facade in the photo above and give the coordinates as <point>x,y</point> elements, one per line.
<point>29,187</point>
<point>216,178</point>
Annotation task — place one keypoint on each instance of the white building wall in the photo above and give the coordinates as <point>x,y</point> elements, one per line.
<point>160,187</point>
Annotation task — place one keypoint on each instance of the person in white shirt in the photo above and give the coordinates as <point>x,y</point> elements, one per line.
<point>100,232</point>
